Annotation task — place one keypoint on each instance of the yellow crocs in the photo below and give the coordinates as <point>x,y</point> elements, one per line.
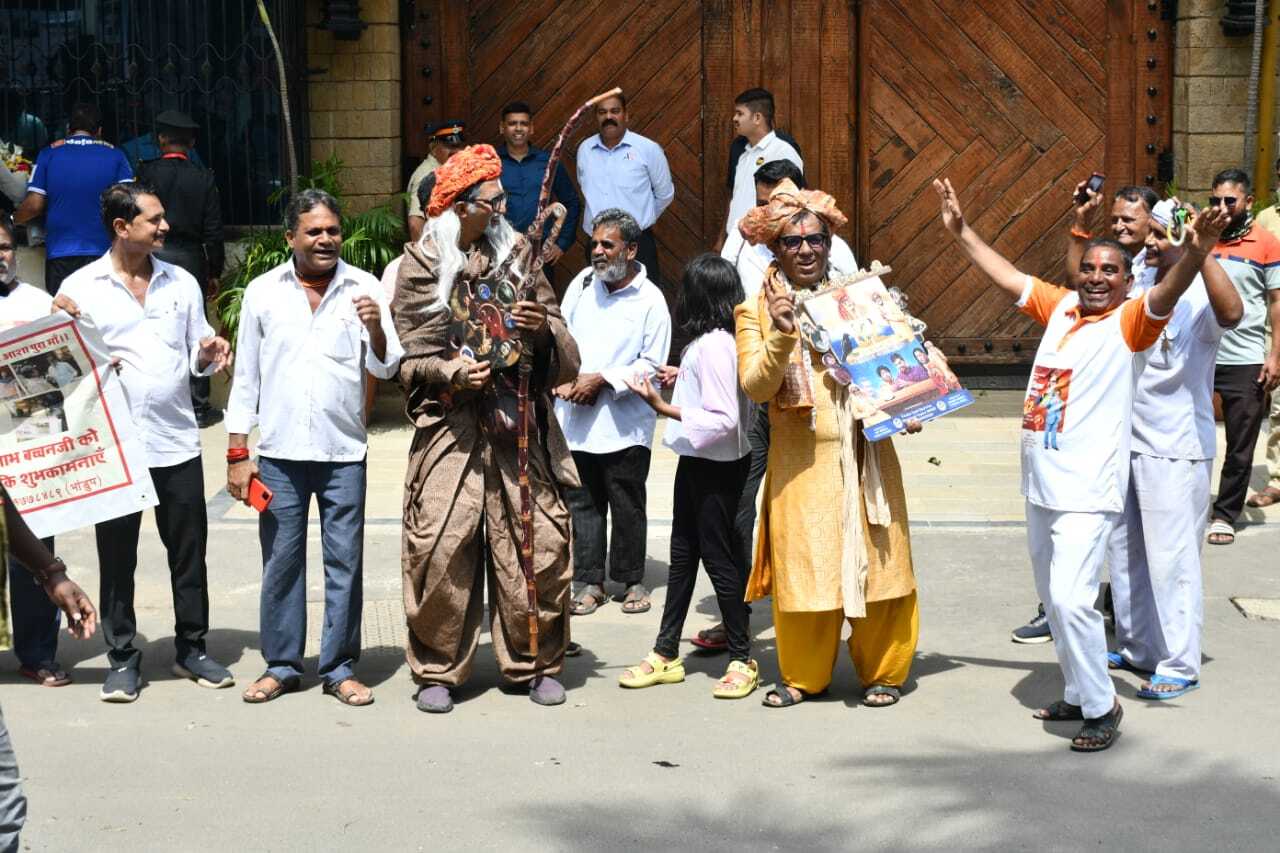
<point>732,688</point>
<point>664,672</point>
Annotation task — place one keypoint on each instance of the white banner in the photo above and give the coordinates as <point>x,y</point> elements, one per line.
<point>70,454</point>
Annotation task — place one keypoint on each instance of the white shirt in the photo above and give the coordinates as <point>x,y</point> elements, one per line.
<point>715,412</point>
<point>1077,416</point>
<point>753,261</point>
<point>23,304</point>
<point>632,175</point>
<point>299,375</point>
<point>1144,277</point>
<point>158,344</point>
<point>619,335</point>
<point>770,147</point>
<point>1173,407</point>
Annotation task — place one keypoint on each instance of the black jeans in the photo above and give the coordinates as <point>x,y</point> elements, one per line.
<point>184,530</point>
<point>1242,413</point>
<point>56,270</point>
<point>612,484</point>
<point>702,528</point>
<point>647,254</point>
<point>745,522</point>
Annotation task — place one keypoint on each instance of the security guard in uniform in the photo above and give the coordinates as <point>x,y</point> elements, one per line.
<point>444,139</point>
<point>194,213</point>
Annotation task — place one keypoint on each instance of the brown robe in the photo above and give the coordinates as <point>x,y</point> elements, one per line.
<point>462,497</point>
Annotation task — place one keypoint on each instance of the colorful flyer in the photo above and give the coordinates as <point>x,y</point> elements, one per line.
<point>869,343</point>
<point>70,455</point>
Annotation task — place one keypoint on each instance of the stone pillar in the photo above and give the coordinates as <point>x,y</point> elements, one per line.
<point>1210,97</point>
<point>355,102</point>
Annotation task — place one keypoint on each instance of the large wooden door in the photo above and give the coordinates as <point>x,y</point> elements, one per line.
<point>554,55</point>
<point>1015,101</point>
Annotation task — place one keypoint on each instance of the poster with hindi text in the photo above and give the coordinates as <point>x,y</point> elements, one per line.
<point>70,453</point>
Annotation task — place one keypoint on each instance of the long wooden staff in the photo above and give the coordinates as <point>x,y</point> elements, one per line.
<point>530,264</point>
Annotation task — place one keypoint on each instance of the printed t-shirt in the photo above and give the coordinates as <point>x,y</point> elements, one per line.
<point>72,176</point>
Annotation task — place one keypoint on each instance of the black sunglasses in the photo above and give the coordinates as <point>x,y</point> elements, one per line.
<point>1228,200</point>
<point>792,241</point>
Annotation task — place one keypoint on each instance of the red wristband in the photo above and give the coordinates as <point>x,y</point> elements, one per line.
<point>1083,235</point>
<point>237,454</point>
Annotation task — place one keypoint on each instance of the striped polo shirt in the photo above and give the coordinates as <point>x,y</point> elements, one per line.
<point>1253,263</point>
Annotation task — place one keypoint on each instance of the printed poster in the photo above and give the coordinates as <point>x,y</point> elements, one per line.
<point>869,343</point>
<point>70,454</point>
<point>1045,408</point>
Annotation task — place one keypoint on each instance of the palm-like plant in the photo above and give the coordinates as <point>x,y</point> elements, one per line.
<point>371,240</point>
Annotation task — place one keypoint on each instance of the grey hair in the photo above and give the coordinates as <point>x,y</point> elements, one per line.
<point>306,201</point>
<point>623,221</point>
<point>443,231</point>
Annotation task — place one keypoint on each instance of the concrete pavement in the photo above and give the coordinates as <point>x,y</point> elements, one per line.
<point>958,764</point>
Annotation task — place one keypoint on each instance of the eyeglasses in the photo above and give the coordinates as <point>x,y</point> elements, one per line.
<point>1228,200</point>
<point>499,200</point>
<point>791,242</point>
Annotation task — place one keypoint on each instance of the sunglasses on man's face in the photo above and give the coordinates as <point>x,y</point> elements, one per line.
<point>792,241</point>
<point>1228,200</point>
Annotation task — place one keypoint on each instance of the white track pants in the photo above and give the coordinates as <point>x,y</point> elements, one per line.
<point>1067,553</point>
<point>1155,565</point>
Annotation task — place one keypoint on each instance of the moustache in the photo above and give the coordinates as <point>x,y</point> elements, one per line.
<point>609,123</point>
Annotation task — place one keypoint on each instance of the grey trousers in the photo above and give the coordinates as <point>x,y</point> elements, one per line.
<point>13,803</point>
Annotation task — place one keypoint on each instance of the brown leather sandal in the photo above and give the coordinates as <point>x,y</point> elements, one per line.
<point>350,691</point>
<point>269,687</point>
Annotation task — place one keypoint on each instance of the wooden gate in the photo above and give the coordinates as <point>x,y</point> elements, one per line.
<point>1014,100</point>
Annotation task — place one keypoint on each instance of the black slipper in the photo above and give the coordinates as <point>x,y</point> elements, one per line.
<point>1059,711</point>
<point>881,690</point>
<point>785,699</point>
<point>1105,729</point>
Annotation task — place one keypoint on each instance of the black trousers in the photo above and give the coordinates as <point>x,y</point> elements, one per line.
<point>702,528</point>
<point>647,254</point>
<point>745,521</point>
<point>56,270</point>
<point>613,484</point>
<point>184,529</point>
<point>1242,413</point>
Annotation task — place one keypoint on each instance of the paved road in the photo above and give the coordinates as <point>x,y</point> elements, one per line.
<point>959,764</point>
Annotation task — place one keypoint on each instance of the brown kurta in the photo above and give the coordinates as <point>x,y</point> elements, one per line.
<point>801,526</point>
<point>462,497</point>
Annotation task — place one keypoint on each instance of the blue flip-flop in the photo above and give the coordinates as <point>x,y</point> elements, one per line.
<point>1184,685</point>
<point>1115,660</point>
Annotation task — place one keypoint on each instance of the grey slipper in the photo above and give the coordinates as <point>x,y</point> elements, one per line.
<point>545,690</point>
<point>435,699</point>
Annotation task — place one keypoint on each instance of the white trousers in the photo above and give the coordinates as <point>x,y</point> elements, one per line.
<point>1154,553</point>
<point>1067,553</point>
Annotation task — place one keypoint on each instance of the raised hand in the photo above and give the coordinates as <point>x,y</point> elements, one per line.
<point>782,307</point>
<point>1084,212</point>
<point>952,216</point>
<point>1206,229</point>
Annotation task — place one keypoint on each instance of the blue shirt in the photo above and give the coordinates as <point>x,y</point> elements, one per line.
<point>633,175</point>
<point>71,175</point>
<point>522,180</point>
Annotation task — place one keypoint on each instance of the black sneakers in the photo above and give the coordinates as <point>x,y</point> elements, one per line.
<point>203,670</point>
<point>1035,631</point>
<point>121,685</point>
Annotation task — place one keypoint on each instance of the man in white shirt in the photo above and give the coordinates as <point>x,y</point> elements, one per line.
<point>35,619</point>
<point>753,120</point>
<point>151,316</point>
<point>1155,550</point>
<point>1096,343</point>
<point>619,168</point>
<point>309,329</point>
<point>623,328</point>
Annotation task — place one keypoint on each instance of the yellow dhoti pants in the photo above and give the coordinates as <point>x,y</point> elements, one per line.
<point>882,644</point>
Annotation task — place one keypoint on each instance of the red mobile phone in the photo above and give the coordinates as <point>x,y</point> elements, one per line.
<point>259,495</point>
<point>1095,184</point>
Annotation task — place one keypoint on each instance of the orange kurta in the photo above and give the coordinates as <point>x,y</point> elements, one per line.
<point>801,532</point>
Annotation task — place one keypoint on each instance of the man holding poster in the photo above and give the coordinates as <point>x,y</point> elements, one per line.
<point>151,316</point>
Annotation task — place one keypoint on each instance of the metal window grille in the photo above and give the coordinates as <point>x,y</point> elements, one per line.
<point>211,59</point>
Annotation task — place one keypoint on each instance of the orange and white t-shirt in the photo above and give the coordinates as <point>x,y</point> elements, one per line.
<point>1077,415</point>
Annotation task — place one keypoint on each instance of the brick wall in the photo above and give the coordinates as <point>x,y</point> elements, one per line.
<point>355,102</point>
<point>1210,97</point>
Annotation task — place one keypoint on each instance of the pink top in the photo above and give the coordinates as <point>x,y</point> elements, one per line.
<point>714,409</point>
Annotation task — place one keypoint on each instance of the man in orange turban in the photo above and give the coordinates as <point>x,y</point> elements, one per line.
<point>833,545</point>
<point>456,296</point>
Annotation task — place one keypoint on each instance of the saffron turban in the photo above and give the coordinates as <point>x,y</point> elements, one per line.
<point>472,165</point>
<point>763,224</point>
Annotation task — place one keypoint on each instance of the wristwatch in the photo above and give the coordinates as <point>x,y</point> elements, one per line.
<point>57,567</point>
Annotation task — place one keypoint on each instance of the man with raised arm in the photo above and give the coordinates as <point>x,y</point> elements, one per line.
<point>1094,348</point>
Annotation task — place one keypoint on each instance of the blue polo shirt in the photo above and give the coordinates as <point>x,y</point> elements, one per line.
<point>71,174</point>
<point>522,179</point>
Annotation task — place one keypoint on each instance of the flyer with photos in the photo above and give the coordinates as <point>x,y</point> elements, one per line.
<point>70,454</point>
<point>870,344</point>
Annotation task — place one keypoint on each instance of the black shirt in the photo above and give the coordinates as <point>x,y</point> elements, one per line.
<point>194,213</point>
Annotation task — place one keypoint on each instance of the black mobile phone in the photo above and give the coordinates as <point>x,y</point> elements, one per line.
<point>1095,184</point>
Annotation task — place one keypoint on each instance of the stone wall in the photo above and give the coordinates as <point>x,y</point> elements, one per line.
<point>1210,97</point>
<point>354,105</point>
